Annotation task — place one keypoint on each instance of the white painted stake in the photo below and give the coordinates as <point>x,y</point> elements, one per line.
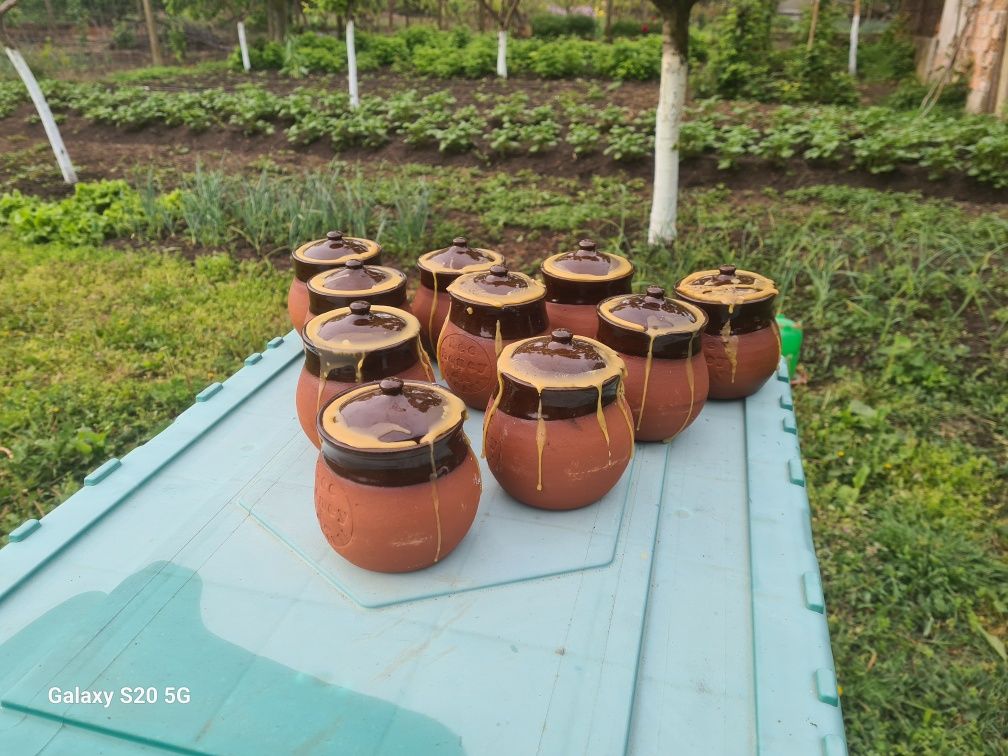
<point>502,54</point>
<point>671,98</point>
<point>48,122</point>
<point>351,53</point>
<point>243,44</point>
<point>855,29</point>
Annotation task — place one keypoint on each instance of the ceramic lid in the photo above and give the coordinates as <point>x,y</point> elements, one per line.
<point>727,285</point>
<point>497,287</point>
<point>560,360</point>
<point>356,278</point>
<point>586,263</point>
<point>335,248</point>
<point>392,415</point>
<point>459,258</point>
<point>361,327</point>
<point>652,313</point>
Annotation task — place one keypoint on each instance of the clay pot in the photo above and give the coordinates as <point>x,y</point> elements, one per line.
<point>396,484</point>
<point>317,257</point>
<point>577,281</point>
<point>659,339</point>
<point>741,342</point>
<point>349,346</point>
<point>437,270</point>
<point>558,433</point>
<point>355,282</point>
<point>487,311</point>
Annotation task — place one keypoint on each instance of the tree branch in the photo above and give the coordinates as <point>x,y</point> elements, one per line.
<point>492,11</point>
<point>6,5</point>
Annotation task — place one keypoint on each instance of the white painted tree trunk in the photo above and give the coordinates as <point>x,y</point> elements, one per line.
<point>855,30</point>
<point>243,44</point>
<point>45,114</point>
<point>502,54</point>
<point>671,97</point>
<point>351,53</point>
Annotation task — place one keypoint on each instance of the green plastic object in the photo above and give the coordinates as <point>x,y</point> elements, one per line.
<point>791,340</point>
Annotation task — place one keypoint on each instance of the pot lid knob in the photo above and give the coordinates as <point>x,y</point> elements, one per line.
<point>360,307</point>
<point>354,263</point>
<point>726,272</point>
<point>498,271</point>
<point>334,236</point>
<point>587,245</point>
<point>391,386</point>
<point>655,292</point>
<point>460,241</point>
<point>562,336</point>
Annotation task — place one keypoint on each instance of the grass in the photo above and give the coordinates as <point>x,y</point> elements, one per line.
<point>902,397</point>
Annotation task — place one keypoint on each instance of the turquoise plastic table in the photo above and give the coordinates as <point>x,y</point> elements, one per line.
<point>184,601</point>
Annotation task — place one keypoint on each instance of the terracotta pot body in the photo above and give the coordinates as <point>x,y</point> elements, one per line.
<point>395,529</point>
<point>396,484</point>
<point>353,345</point>
<point>309,400</point>
<point>488,311</point>
<point>742,363</point>
<point>670,405</point>
<point>355,282</point>
<point>577,281</point>
<point>297,303</point>
<point>578,466</point>
<point>558,432</point>
<point>321,255</point>
<point>438,270</point>
<point>741,341</point>
<point>660,340</point>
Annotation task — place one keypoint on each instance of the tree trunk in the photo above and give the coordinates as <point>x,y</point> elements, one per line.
<point>608,20</point>
<point>351,51</point>
<point>812,25</point>
<point>50,18</point>
<point>855,29</point>
<point>391,14</point>
<point>243,45</point>
<point>440,14</point>
<point>481,18</point>
<point>671,98</point>
<point>502,53</point>
<point>155,48</point>
<point>276,19</point>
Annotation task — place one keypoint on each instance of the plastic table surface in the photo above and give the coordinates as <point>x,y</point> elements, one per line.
<point>682,614</point>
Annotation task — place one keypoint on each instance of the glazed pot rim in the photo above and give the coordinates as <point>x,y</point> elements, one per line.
<point>765,289</point>
<point>394,278</point>
<point>625,325</point>
<point>373,249</point>
<point>626,269</point>
<point>536,293</point>
<point>454,405</point>
<point>409,333</point>
<point>614,367</point>
<point>496,259</point>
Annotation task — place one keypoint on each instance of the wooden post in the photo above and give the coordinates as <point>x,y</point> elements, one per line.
<point>155,48</point>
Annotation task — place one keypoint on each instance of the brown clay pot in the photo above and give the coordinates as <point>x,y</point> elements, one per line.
<point>355,282</point>
<point>577,281</point>
<point>438,269</point>
<point>317,257</point>
<point>558,433</point>
<point>396,484</point>
<point>741,342</point>
<point>660,340</point>
<point>346,347</point>
<point>487,311</point>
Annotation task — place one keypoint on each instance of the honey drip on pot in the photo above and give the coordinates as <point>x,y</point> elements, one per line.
<point>329,362</point>
<point>540,441</point>
<point>602,422</point>
<point>424,361</point>
<point>647,377</point>
<point>730,343</point>
<point>625,410</point>
<point>497,339</point>
<point>490,412</point>
<point>437,501</point>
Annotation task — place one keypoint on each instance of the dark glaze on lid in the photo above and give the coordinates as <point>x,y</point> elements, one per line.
<point>338,287</point>
<point>740,298</point>
<point>331,252</point>
<point>451,262</point>
<point>564,370</point>
<point>383,339</point>
<point>497,297</point>
<point>674,326</point>
<point>586,275</point>
<point>382,433</point>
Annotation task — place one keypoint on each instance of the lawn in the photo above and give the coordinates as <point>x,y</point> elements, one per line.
<point>902,397</point>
